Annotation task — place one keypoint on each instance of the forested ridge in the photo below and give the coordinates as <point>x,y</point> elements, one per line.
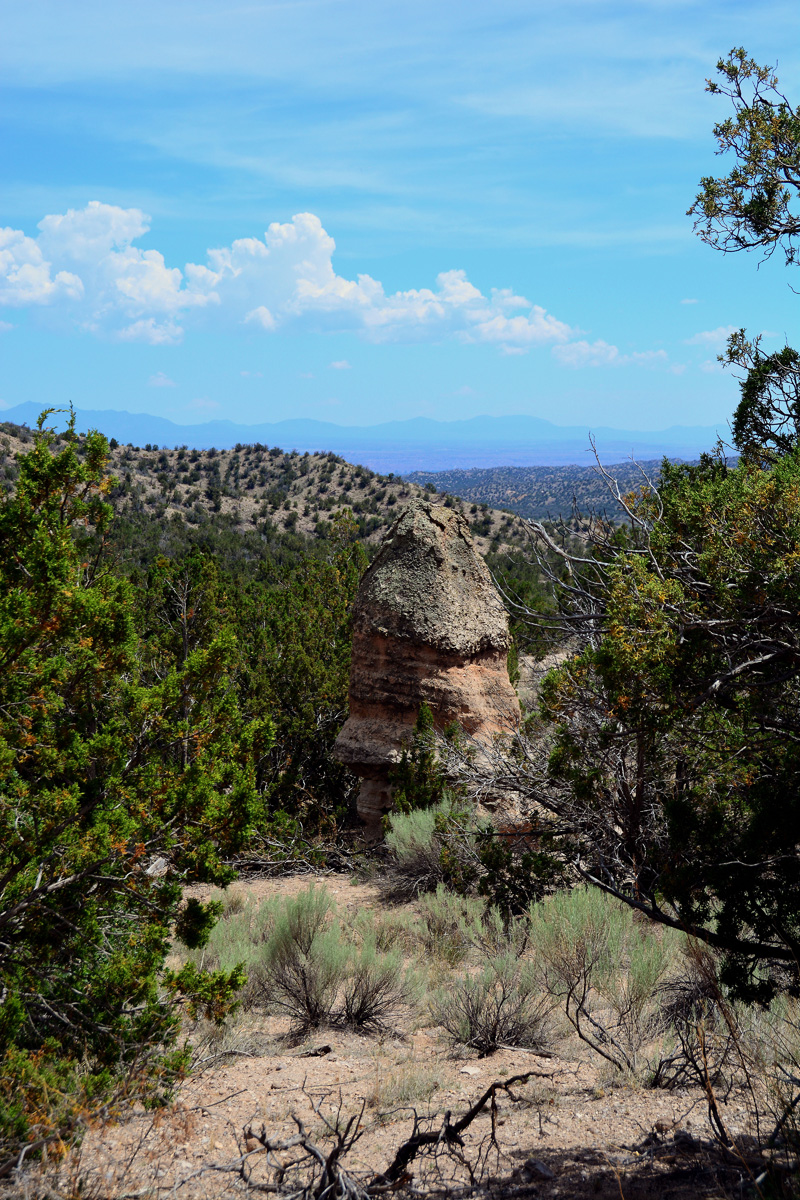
<point>544,492</point>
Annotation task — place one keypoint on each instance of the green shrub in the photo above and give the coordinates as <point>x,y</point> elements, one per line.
<point>122,746</point>
<point>43,1099</point>
<point>605,967</point>
<point>450,924</point>
<point>390,930</point>
<point>301,961</point>
<point>428,847</point>
<point>501,1006</point>
<point>439,839</point>
<point>418,779</point>
<point>498,934</point>
<point>518,871</point>
<point>305,984</point>
<point>375,989</point>
<point>238,939</point>
<point>304,961</point>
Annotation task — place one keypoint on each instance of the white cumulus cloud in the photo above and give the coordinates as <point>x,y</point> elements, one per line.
<point>288,279</point>
<point>83,261</point>
<point>161,380</point>
<point>84,266</point>
<point>26,275</point>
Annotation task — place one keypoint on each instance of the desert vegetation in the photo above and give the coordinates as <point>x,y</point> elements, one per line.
<point>568,1046</point>
<point>564,493</point>
<point>594,921</point>
<point>253,498</point>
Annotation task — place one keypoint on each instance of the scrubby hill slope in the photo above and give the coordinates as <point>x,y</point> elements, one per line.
<point>173,494</point>
<point>541,492</point>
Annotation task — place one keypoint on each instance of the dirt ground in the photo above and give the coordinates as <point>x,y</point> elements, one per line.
<point>569,1131</point>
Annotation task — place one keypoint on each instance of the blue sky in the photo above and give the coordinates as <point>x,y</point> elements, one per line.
<point>361,211</point>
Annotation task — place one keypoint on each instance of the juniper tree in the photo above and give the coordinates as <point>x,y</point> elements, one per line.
<point>112,796</point>
<point>668,746</point>
<point>755,208</point>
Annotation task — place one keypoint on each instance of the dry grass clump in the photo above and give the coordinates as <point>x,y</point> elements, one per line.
<point>410,1084</point>
<point>391,929</point>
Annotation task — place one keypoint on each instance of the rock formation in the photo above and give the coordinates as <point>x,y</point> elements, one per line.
<point>428,625</point>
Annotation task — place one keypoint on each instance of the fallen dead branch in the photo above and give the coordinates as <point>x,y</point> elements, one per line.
<point>449,1133</point>
<point>301,1169</point>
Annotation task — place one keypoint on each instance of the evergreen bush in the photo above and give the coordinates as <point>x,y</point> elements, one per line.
<point>119,784</point>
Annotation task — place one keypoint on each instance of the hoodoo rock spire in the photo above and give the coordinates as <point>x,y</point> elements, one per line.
<point>428,626</point>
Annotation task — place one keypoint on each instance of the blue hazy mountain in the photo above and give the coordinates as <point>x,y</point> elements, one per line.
<point>419,444</point>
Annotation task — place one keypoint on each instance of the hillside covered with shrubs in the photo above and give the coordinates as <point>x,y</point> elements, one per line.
<point>545,493</point>
<point>167,498</point>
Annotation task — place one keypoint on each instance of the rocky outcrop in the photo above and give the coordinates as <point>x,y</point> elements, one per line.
<point>428,625</point>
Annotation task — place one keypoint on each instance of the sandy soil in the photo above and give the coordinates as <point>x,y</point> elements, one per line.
<point>569,1131</point>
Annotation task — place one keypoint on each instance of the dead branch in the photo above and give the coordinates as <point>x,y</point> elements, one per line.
<point>449,1133</point>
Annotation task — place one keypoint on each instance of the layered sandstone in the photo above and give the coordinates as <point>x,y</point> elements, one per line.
<point>428,625</point>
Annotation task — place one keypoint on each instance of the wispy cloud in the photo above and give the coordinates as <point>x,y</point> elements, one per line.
<point>202,402</point>
<point>340,364</point>
<point>160,380</point>
<point>602,354</point>
<point>690,301</point>
<point>712,337</point>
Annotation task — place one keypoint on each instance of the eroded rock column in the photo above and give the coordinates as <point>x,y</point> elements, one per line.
<point>429,625</point>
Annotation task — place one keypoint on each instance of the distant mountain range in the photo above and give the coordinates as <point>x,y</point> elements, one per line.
<point>419,444</point>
